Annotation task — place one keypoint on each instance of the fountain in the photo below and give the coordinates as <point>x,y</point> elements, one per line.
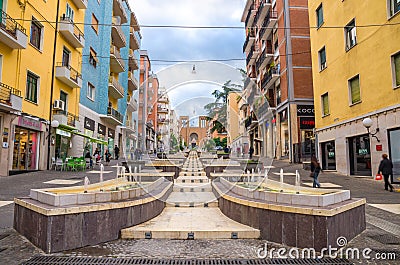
<point>101,172</point>
<point>281,179</point>
<point>297,182</point>
<point>86,183</point>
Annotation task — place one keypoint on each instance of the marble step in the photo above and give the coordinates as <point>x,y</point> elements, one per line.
<point>192,187</point>
<point>182,223</point>
<point>192,199</point>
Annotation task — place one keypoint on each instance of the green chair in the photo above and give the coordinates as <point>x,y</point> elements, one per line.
<point>71,164</point>
<point>80,163</point>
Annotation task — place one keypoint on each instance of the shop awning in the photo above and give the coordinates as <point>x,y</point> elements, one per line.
<point>67,128</point>
<point>92,139</point>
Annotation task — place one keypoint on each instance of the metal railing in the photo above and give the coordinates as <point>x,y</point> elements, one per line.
<point>250,55</point>
<point>249,14</point>
<point>115,114</point>
<point>115,83</point>
<point>10,25</point>
<point>73,74</point>
<point>116,22</point>
<point>77,32</point>
<point>270,15</point>
<point>114,51</point>
<point>71,118</point>
<point>261,59</point>
<point>251,33</point>
<point>268,76</point>
<point>6,91</point>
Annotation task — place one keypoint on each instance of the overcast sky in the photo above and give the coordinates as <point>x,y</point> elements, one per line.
<point>191,44</point>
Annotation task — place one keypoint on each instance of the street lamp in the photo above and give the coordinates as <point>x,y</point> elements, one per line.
<point>367,122</point>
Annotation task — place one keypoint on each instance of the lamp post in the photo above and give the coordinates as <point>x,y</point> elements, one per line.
<point>367,122</point>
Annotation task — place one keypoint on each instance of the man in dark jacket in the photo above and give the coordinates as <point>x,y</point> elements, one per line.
<point>386,169</point>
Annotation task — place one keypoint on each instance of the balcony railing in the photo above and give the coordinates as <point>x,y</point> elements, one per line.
<point>68,75</point>
<point>71,32</point>
<point>117,33</point>
<point>15,35</point>
<point>249,15</point>
<point>251,33</point>
<point>264,26</point>
<point>268,76</point>
<point>6,96</point>
<point>115,114</point>
<point>249,56</point>
<point>114,83</point>
<point>117,63</point>
<point>71,119</point>
<point>260,9</point>
<point>263,56</point>
<point>134,42</point>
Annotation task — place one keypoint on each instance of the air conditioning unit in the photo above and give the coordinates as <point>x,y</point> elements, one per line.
<point>59,105</point>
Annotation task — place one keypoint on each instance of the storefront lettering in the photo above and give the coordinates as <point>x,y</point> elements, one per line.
<point>307,123</point>
<point>89,124</point>
<point>305,110</point>
<point>29,123</point>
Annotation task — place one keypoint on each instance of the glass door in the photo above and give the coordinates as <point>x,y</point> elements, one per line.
<point>394,153</point>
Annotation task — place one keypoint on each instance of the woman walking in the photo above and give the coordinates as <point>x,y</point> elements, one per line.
<point>386,169</point>
<point>315,169</point>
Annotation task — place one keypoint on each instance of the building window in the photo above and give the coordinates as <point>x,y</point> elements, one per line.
<point>325,104</point>
<point>32,87</point>
<point>66,56</point>
<point>320,16</point>
<point>93,58</point>
<point>36,33</point>
<point>64,98</point>
<point>95,24</point>
<point>322,59</point>
<point>350,35</point>
<point>396,69</point>
<point>355,93</point>
<point>90,91</point>
<point>69,13</point>
<point>394,7</point>
<point>278,95</point>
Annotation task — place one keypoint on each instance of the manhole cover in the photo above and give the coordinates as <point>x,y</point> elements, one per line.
<point>386,239</point>
<point>38,260</point>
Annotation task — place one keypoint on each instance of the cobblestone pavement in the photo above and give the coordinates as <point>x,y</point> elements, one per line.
<point>383,239</point>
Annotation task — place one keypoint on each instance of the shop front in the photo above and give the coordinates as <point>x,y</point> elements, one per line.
<point>26,147</point>
<point>306,121</point>
<point>111,137</point>
<point>328,155</point>
<point>394,153</point>
<point>360,155</point>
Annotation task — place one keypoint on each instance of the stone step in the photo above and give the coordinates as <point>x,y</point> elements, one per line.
<point>201,173</point>
<point>196,188</point>
<point>202,223</point>
<point>213,204</point>
<point>191,199</point>
<point>198,179</point>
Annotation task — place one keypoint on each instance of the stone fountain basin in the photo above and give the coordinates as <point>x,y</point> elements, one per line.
<point>76,195</point>
<point>275,192</point>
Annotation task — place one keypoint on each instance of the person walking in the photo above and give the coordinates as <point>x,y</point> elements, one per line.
<point>386,169</point>
<point>251,151</point>
<point>315,169</point>
<point>107,156</point>
<point>116,151</point>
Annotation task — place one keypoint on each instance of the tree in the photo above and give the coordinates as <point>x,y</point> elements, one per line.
<point>217,110</point>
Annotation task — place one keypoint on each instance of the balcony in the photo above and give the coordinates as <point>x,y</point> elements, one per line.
<point>68,75</point>
<point>133,62</point>
<point>130,126</point>
<point>10,98</point>
<point>118,37</point>
<point>251,57</point>
<point>113,116</point>
<point>134,42</point>
<point>250,16</point>
<point>80,4</point>
<point>263,9</point>
<point>117,64</point>
<point>132,104</point>
<point>251,35</point>
<point>270,77</point>
<point>162,120</point>
<point>65,118</point>
<point>162,110</point>
<point>115,89</point>
<point>119,10</point>
<point>265,57</point>
<point>163,99</point>
<point>71,32</point>
<point>268,24</point>
<point>133,84</point>
<point>12,33</point>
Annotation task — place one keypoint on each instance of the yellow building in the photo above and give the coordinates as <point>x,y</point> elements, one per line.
<point>27,45</point>
<point>356,75</point>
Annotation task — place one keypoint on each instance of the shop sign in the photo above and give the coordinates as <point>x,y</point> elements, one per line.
<point>378,147</point>
<point>63,133</point>
<point>305,110</point>
<point>29,123</point>
<point>307,123</point>
<point>111,133</point>
<point>89,124</point>
<point>101,129</point>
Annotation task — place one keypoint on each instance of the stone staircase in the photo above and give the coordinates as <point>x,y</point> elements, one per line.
<point>191,211</point>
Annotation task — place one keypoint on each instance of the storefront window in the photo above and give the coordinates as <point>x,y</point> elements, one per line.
<point>360,155</point>
<point>25,155</point>
<point>328,155</point>
<point>394,155</point>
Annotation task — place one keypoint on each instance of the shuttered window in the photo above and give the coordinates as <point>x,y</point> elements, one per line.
<point>355,93</point>
<point>320,16</point>
<point>396,69</point>
<point>325,104</point>
<point>322,59</point>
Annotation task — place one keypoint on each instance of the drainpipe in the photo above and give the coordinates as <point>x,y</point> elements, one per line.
<point>53,73</point>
